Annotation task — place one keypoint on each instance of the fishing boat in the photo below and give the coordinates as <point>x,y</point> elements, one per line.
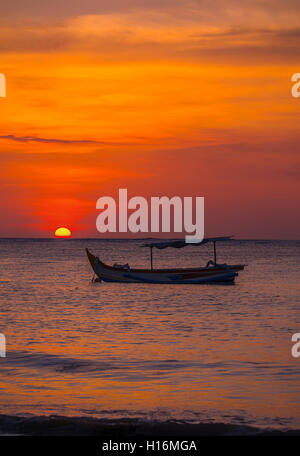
<point>211,273</point>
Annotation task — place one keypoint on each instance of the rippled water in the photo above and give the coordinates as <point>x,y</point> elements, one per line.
<point>198,353</point>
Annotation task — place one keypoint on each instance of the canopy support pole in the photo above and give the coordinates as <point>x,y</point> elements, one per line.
<point>215,253</point>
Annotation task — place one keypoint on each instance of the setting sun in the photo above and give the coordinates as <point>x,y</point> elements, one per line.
<point>62,232</point>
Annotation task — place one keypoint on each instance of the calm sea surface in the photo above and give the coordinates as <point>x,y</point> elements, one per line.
<point>196,353</point>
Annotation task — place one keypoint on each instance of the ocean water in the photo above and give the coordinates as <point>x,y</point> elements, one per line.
<point>150,353</point>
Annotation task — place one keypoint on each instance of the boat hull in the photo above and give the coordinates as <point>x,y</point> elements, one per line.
<point>213,274</point>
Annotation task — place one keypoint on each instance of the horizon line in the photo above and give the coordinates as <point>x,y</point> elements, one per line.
<point>129,239</point>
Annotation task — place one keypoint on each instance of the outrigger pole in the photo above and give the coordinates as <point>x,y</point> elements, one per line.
<point>215,253</point>
<point>151,257</point>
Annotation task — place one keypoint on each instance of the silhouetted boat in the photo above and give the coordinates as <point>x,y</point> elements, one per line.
<point>211,273</point>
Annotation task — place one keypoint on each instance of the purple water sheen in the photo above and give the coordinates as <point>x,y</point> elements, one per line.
<point>198,353</point>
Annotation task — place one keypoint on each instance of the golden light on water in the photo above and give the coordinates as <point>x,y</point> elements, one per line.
<point>62,232</point>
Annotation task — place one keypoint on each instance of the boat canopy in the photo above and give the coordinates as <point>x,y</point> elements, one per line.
<point>179,244</point>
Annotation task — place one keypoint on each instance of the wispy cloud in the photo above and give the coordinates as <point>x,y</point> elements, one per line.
<point>27,139</point>
<point>156,35</point>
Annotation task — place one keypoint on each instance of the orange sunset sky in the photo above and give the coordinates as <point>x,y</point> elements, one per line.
<point>188,98</point>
